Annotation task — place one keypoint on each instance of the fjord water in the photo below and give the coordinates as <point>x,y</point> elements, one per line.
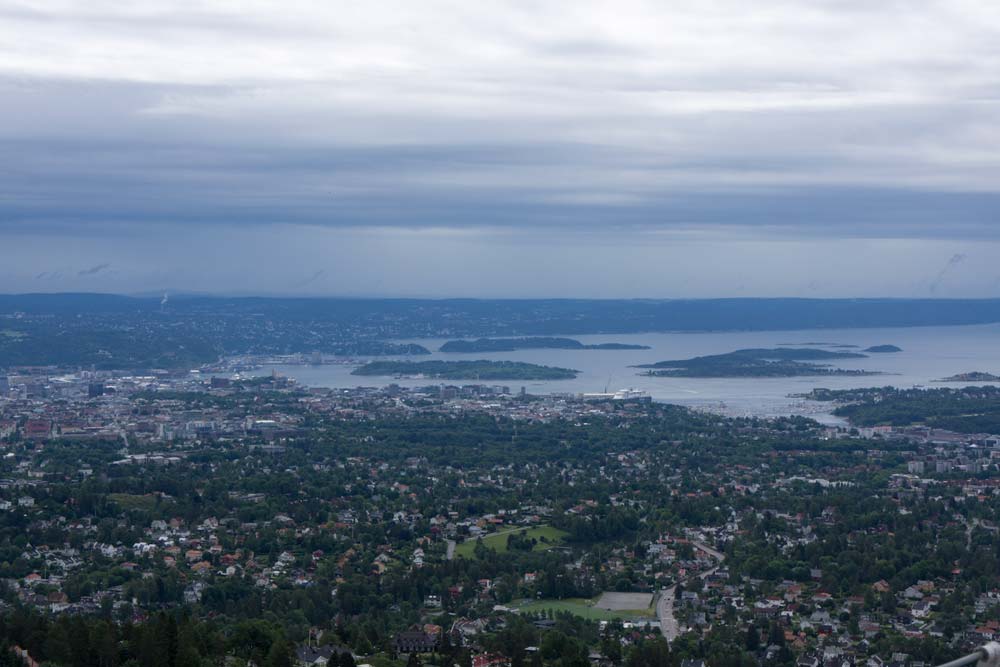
<point>929,354</point>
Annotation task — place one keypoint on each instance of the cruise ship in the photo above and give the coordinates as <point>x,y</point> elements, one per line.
<point>620,395</point>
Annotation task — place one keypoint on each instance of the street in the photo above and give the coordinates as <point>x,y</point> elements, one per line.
<point>665,605</point>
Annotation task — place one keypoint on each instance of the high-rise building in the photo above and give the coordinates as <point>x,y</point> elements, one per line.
<point>95,389</point>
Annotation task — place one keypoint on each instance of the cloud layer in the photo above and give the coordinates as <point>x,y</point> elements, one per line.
<point>788,120</point>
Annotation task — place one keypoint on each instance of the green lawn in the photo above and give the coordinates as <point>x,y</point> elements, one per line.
<point>552,537</point>
<point>584,608</point>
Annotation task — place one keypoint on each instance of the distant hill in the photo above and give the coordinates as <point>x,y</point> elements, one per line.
<point>111,331</point>
<point>522,317</point>
<point>72,303</point>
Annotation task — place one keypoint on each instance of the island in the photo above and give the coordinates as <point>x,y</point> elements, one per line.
<point>883,349</point>
<point>975,376</point>
<point>536,342</point>
<point>757,362</point>
<point>467,370</point>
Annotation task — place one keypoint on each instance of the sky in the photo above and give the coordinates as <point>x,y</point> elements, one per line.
<point>626,148</point>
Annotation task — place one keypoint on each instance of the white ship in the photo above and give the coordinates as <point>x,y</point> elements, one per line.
<point>620,395</point>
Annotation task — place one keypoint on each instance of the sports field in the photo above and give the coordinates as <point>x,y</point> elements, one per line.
<point>590,609</point>
<point>624,601</point>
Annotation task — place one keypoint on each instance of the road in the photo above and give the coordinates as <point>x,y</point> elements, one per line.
<point>669,627</point>
<point>719,556</point>
<point>450,553</point>
<point>665,612</point>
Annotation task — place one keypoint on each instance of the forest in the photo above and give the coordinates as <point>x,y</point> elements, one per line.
<point>964,410</point>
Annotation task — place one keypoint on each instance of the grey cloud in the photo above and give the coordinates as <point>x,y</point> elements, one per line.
<point>752,173</point>
<point>622,121</point>
<point>205,154</point>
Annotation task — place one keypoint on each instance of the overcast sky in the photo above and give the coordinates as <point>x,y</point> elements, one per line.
<point>575,148</point>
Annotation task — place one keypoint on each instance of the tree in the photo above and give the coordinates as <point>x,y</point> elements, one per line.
<point>654,653</point>
<point>776,635</point>
<point>280,654</point>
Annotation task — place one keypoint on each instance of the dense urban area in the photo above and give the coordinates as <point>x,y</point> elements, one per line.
<point>214,517</point>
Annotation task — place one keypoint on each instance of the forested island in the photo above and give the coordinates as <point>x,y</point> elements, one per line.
<point>467,370</point>
<point>965,410</point>
<point>975,376</point>
<point>757,362</point>
<point>530,343</point>
<point>883,349</point>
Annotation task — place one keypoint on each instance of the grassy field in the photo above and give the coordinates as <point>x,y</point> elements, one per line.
<point>585,608</point>
<point>498,541</point>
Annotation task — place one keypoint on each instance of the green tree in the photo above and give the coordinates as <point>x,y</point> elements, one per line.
<point>279,655</point>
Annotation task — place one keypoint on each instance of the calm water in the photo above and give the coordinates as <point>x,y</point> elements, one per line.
<point>929,354</point>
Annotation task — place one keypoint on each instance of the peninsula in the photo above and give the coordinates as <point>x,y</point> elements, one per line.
<point>962,410</point>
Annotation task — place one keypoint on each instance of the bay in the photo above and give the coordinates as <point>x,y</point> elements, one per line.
<point>929,354</point>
